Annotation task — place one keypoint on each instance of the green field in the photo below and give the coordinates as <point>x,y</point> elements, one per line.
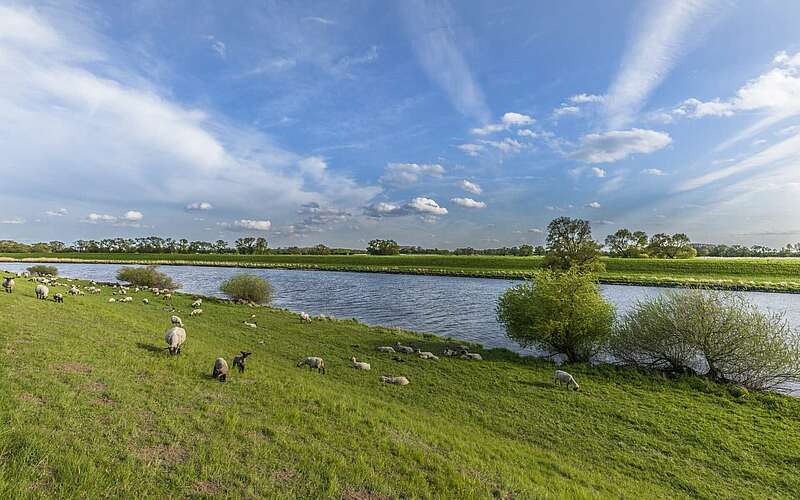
<point>770,274</point>
<point>92,407</point>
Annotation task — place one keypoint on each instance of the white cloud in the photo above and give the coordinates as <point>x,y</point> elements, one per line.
<point>598,172</point>
<point>471,149</point>
<point>433,28</point>
<point>507,121</point>
<point>659,42</point>
<point>586,98</point>
<point>404,174</point>
<point>468,203</point>
<point>247,225</point>
<point>593,204</point>
<point>535,230</point>
<point>60,212</point>
<point>417,206</point>
<point>565,110</point>
<point>15,220</point>
<point>470,187</point>
<point>320,20</point>
<point>217,46</point>
<point>507,145</point>
<point>526,132</point>
<point>95,218</point>
<point>653,171</point>
<point>199,205</point>
<point>616,145</point>
<point>133,216</point>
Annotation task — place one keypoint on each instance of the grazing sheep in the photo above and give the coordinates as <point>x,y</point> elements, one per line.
<point>383,348</point>
<point>145,301</point>
<point>9,284</point>
<point>220,370</point>
<point>449,352</point>
<point>305,317</point>
<point>74,290</point>
<point>240,359</point>
<point>196,312</point>
<point>112,300</point>
<point>562,377</point>
<point>197,303</point>
<point>472,356</point>
<point>404,348</point>
<point>251,325</point>
<point>313,362</point>
<point>127,299</point>
<point>394,380</point>
<point>176,321</point>
<point>58,298</point>
<point>167,296</point>
<point>359,364</point>
<point>175,337</point>
<point>427,355</point>
<point>42,292</point>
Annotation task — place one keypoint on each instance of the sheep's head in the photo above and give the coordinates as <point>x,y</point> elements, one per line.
<point>245,354</point>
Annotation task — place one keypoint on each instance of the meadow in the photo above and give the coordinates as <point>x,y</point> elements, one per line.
<point>92,406</point>
<point>768,274</point>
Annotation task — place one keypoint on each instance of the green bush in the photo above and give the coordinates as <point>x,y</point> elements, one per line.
<point>248,288</point>
<point>559,312</point>
<point>42,270</point>
<point>146,276</point>
<point>718,334</point>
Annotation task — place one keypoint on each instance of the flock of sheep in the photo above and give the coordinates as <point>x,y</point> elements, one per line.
<point>175,336</point>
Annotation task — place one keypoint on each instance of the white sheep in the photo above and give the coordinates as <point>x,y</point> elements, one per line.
<point>9,284</point>
<point>112,300</point>
<point>450,352</point>
<point>360,364</point>
<point>145,301</point>
<point>220,371</point>
<point>394,380</point>
<point>58,298</point>
<point>176,321</point>
<point>472,356</point>
<point>196,312</point>
<point>562,377</point>
<point>404,348</point>
<point>384,348</point>
<point>74,290</point>
<point>313,362</point>
<point>197,303</point>
<point>175,337</point>
<point>42,292</point>
<point>305,317</point>
<point>251,325</point>
<point>427,355</point>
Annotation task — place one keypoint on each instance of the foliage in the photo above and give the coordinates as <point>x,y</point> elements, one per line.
<point>43,270</point>
<point>719,334</point>
<point>676,246</point>
<point>383,247</point>
<point>248,288</point>
<point>560,312</point>
<point>570,244</point>
<point>146,276</point>
<point>250,245</point>
<point>625,243</point>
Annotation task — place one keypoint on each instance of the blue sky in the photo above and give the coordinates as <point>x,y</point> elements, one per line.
<point>430,122</point>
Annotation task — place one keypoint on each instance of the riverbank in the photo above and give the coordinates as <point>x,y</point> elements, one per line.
<point>767,274</point>
<point>92,406</point>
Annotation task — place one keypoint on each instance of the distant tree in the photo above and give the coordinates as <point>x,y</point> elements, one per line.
<point>40,248</point>
<point>321,250</point>
<point>245,246</point>
<point>260,246</point>
<point>220,246</point>
<point>383,247</point>
<point>525,250</point>
<point>570,245</point>
<point>677,246</point>
<point>57,246</point>
<point>625,243</point>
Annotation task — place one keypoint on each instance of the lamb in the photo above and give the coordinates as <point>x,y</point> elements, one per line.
<point>112,300</point>
<point>196,312</point>
<point>175,337</point>
<point>9,284</point>
<point>42,292</point>
<point>251,325</point>
<point>305,317</point>
<point>313,362</point>
<point>360,364</point>
<point>220,370</point>
<point>472,356</point>
<point>176,321</point>
<point>404,348</point>
<point>240,359</point>
<point>383,348</point>
<point>145,301</point>
<point>58,298</point>
<point>197,303</point>
<point>562,377</point>
<point>394,380</point>
<point>427,355</point>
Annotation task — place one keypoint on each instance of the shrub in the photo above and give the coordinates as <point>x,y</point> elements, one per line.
<point>42,270</point>
<point>249,288</point>
<point>146,276</point>
<point>720,335</point>
<point>559,312</point>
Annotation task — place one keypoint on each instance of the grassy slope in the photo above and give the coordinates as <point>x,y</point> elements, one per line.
<point>756,274</point>
<point>90,406</point>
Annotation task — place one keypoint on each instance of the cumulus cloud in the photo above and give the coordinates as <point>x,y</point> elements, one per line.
<point>468,203</point>
<point>598,172</point>
<point>616,145</point>
<point>95,218</point>
<point>133,216</point>
<point>404,174</point>
<point>60,212</point>
<point>247,225</point>
<point>417,206</point>
<point>470,187</point>
<point>507,121</point>
<point>129,218</point>
<point>593,204</point>
<point>199,205</point>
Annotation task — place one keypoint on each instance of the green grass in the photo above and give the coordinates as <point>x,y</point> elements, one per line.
<point>91,407</point>
<point>769,274</point>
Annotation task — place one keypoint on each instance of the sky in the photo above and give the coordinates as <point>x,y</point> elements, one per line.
<point>433,123</point>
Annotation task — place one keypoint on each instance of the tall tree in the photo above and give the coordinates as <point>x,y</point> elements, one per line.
<point>570,245</point>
